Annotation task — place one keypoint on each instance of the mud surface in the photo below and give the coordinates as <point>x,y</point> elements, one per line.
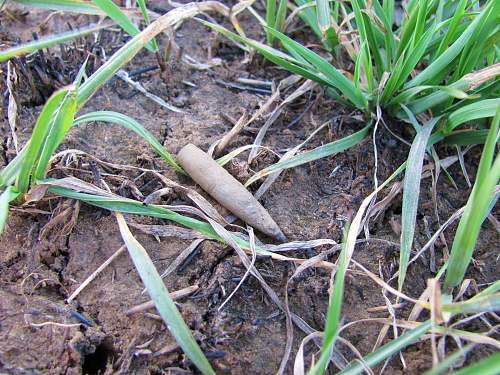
<point>41,266</point>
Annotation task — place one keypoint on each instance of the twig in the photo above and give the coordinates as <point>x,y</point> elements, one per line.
<point>94,274</point>
<point>174,295</point>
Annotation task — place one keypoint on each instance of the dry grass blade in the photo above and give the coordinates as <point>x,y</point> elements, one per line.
<point>227,138</point>
<point>94,274</point>
<point>167,231</point>
<point>122,74</point>
<point>177,294</point>
<point>12,106</point>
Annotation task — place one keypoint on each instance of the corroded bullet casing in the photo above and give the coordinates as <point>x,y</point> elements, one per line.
<point>228,191</point>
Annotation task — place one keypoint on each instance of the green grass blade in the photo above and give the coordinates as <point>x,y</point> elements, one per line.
<point>493,288</point>
<point>323,14</point>
<point>363,37</point>
<point>163,302</point>
<point>336,79</point>
<point>485,303</point>
<point>325,23</point>
<point>300,65</point>
<point>114,12</point>
<point>452,27</point>
<point>474,51</point>
<point>130,206</point>
<point>9,174</point>
<point>334,309</point>
<point>131,124</point>
<point>281,16</point>
<point>73,188</point>
<point>315,154</point>
<point>388,349</point>
<point>145,14</point>
<point>386,14</point>
<point>411,192</point>
<point>270,19</point>
<point>7,196</point>
<point>414,56</point>
<point>38,138</point>
<point>445,59</point>
<point>75,6</point>
<point>478,204</point>
<point>481,109</point>
<point>431,100</point>
<point>308,15</point>
<point>447,362</point>
<point>59,126</point>
<point>49,41</point>
<point>487,366</point>
<point>81,73</point>
<point>467,137</point>
<point>372,34</point>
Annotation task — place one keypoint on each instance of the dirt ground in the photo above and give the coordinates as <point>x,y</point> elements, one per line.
<point>40,267</point>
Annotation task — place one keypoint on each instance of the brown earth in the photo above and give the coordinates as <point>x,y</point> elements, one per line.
<point>39,270</point>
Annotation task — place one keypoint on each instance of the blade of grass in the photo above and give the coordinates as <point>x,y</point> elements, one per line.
<point>447,362</point>
<point>49,41</point>
<point>308,15</point>
<point>38,138</point>
<point>445,59</point>
<point>9,174</point>
<point>299,64</point>
<point>493,288</point>
<point>145,14</point>
<point>367,64</point>
<point>73,188</point>
<point>160,296</point>
<point>478,204</point>
<point>333,314</point>
<point>337,79</point>
<point>452,27</point>
<point>481,109</point>
<point>59,126</point>
<point>320,152</point>
<point>484,79</point>
<point>389,349</point>
<point>325,23</point>
<point>411,58</point>
<point>75,6</point>
<point>281,16</point>
<point>487,366</point>
<point>467,137</point>
<point>7,196</point>
<point>485,303</point>
<point>411,193</point>
<point>114,12</point>
<point>131,124</point>
<point>270,19</point>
